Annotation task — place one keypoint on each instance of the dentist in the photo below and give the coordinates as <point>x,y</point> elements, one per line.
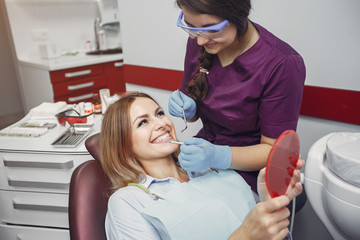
<point>244,83</point>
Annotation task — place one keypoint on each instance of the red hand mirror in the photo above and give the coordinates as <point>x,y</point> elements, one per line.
<point>282,162</point>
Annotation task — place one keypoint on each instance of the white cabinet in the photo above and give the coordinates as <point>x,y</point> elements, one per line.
<point>10,232</point>
<point>34,185</point>
<point>34,191</point>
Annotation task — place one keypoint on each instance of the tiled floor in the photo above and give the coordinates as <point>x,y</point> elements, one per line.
<point>7,120</point>
<point>307,225</point>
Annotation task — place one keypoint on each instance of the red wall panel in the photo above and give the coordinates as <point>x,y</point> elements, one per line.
<point>333,104</point>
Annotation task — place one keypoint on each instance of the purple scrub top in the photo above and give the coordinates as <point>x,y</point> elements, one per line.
<point>259,93</point>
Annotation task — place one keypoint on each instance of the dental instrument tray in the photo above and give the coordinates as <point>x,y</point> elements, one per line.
<point>73,135</point>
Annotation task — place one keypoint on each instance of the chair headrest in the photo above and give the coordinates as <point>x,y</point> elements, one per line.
<point>92,144</point>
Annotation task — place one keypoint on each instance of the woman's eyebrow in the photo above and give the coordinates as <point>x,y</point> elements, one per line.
<point>189,24</point>
<point>147,115</point>
<point>158,109</point>
<point>141,116</point>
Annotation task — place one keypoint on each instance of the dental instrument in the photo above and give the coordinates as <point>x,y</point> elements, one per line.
<point>183,112</point>
<point>181,143</point>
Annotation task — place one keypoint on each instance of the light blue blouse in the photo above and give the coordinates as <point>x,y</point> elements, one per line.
<point>124,219</point>
<point>210,206</point>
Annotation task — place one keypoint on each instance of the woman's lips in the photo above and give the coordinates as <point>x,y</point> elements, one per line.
<point>163,138</point>
<point>209,45</point>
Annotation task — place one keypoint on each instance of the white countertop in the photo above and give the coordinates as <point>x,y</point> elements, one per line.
<point>65,62</point>
<point>42,144</point>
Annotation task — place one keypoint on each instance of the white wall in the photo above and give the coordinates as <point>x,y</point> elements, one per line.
<point>10,100</point>
<point>69,23</point>
<point>150,35</point>
<point>325,32</point>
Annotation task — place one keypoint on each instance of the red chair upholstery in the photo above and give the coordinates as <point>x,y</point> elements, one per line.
<point>89,193</point>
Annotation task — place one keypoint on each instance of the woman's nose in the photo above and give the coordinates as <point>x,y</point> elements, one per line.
<point>159,123</point>
<point>201,40</point>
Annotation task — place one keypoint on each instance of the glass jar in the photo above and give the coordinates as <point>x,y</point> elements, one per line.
<point>96,103</point>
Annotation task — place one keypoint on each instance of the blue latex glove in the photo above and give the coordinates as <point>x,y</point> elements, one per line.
<point>196,158</point>
<point>177,103</point>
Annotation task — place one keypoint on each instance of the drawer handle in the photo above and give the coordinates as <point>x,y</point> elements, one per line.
<point>79,73</point>
<point>52,165</point>
<point>118,64</point>
<point>81,97</point>
<point>38,207</point>
<point>80,86</point>
<point>33,184</point>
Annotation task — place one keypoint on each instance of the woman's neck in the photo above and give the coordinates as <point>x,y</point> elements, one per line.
<point>239,46</point>
<point>164,168</point>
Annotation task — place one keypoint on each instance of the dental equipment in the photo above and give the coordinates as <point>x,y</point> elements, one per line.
<point>181,143</point>
<point>183,112</point>
<point>332,192</point>
<point>282,162</point>
<point>280,166</point>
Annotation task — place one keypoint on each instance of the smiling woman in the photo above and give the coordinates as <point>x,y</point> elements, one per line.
<point>150,130</point>
<point>154,198</point>
<point>130,130</point>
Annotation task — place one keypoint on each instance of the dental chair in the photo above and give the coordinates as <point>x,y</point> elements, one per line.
<point>88,197</point>
<point>89,193</point>
<point>332,183</point>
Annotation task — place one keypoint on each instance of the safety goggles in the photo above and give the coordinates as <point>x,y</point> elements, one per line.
<point>71,116</point>
<point>209,32</point>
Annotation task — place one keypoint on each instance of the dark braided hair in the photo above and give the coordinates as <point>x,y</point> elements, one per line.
<point>236,12</point>
<point>198,86</point>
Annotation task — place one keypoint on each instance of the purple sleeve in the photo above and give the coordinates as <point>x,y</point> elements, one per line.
<point>281,101</point>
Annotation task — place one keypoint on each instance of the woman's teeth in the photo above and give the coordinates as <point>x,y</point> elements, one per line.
<point>163,138</point>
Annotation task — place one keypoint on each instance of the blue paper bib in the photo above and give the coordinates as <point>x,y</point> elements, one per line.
<point>207,207</point>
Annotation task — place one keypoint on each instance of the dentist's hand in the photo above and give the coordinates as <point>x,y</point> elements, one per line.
<point>177,103</point>
<point>205,155</point>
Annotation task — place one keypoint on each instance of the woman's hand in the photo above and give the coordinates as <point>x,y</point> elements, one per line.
<point>179,101</point>
<point>269,219</point>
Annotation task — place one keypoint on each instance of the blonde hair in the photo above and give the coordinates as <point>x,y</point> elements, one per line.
<point>117,159</point>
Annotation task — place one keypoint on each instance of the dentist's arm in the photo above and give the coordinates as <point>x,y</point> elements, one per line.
<point>249,158</point>
<point>252,158</point>
<point>269,219</point>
